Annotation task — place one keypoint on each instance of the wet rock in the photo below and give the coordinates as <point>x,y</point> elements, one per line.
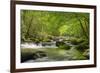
<point>25,57</point>
<point>48,43</point>
<point>59,43</point>
<point>39,54</point>
<point>62,45</point>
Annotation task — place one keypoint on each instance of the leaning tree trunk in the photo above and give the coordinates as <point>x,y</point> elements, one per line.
<point>84,32</point>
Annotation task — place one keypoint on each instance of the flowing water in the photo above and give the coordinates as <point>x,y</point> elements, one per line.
<point>61,55</point>
<point>39,45</point>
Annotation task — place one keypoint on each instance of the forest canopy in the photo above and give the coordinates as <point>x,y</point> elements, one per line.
<point>45,25</point>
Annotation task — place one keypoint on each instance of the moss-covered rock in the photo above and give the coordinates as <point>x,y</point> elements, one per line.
<point>66,47</point>
<point>77,41</point>
<point>82,47</point>
<point>60,43</point>
<point>74,41</point>
<point>86,53</point>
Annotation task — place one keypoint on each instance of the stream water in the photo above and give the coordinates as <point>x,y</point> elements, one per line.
<point>40,46</point>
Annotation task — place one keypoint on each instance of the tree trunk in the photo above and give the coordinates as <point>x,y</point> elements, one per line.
<point>84,32</point>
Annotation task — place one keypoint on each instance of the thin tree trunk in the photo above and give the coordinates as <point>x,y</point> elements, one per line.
<point>86,20</point>
<point>27,33</point>
<point>87,28</point>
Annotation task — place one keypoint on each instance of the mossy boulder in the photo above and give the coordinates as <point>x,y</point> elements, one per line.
<point>74,41</point>
<point>82,47</point>
<point>77,41</point>
<point>66,47</point>
<point>60,43</point>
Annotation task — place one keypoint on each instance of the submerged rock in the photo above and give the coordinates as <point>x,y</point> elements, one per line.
<point>39,54</point>
<point>32,56</point>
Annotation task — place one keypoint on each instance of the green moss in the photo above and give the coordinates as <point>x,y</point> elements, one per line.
<point>86,53</point>
<point>74,41</point>
<point>66,47</point>
<point>76,54</point>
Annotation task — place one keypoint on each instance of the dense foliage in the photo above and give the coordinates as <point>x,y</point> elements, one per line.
<point>44,25</point>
